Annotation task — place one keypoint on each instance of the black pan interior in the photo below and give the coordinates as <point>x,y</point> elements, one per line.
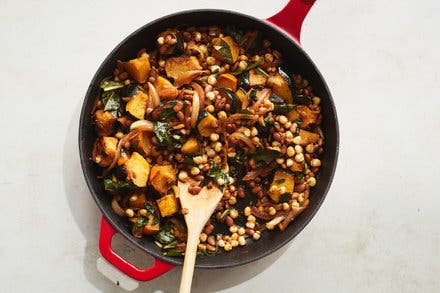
<point>295,60</point>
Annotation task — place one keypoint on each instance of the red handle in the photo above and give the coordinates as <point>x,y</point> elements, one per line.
<point>291,17</point>
<point>105,246</point>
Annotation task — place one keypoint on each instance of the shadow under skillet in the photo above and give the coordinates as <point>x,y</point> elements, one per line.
<point>87,217</point>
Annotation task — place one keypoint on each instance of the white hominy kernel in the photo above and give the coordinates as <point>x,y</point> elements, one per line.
<point>217,160</point>
<point>241,231</point>
<point>210,96</point>
<point>221,243</point>
<point>280,161</point>
<point>162,63</point>
<point>298,149</point>
<point>250,225</point>
<point>203,237</point>
<point>212,80</point>
<point>247,211</point>
<point>214,137</point>
<point>290,151</point>
<point>288,125</point>
<point>197,36</point>
<point>195,171</point>
<point>211,153</point>
<point>311,181</point>
<point>119,135</point>
<point>220,181</point>
<point>289,162</point>
<point>210,60</point>
<point>272,211</point>
<point>197,160</point>
<point>283,119</point>
<point>218,147</point>
<point>160,41</point>
<point>282,189</point>
<point>270,226</point>
<point>228,247</point>
<point>297,139</point>
<point>299,158</point>
<point>310,148</point>
<point>222,115</point>
<point>183,175</point>
<point>241,241</point>
<point>251,218</point>
<point>129,213</point>
<point>246,131</point>
<point>315,162</point>
<point>256,235</point>
<point>254,131</point>
<point>234,214</point>
<point>234,243</point>
<point>242,65</point>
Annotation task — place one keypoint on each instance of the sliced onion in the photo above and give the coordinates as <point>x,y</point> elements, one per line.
<point>201,93</point>
<point>240,136</point>
<point>290,217</point>
<point>195,108</point>
<point>144,125</point>
<point>117,208</point>
<point>239,116</point>
<point>276,221</point>
<point>261,95</point>
<point>153,95</point>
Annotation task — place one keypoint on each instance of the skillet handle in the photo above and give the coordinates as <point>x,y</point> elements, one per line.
<point>291,17</point>
<point>105,241</point>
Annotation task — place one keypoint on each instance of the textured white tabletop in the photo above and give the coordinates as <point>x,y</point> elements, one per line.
<point>379,228</point>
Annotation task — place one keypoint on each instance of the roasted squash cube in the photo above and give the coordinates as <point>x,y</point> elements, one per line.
<point>182,69</point>
<point>165,89</point>
<point>227,80</point>
<point>190,146</point>
<point>104,150</point>
<point>282,185</point>
<point>168,205</point>
<point>138,169</point>
<point>225,49</point>
<point>162,177</point>
<point>137,201</point>
<point>256,79</point>
<point>104,122</point>
<point>138,68</point>
<point>152,226</point>
<point>308,116</point>
<point>308,137</point>
<point>280,87</point>
<point>207,125</point>
<point>137,105</point>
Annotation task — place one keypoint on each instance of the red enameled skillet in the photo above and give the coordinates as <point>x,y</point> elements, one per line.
<point>283,30</point>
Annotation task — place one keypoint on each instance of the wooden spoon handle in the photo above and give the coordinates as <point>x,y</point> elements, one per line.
<point>188,265</point>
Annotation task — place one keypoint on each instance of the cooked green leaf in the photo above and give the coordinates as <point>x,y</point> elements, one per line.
<point>109,85</point>
<point>165,236</point>
<point>172,253</point>
<point>112,103</point>
<point>129,90</point>
<point>118,187</point>
<point>249,67</point>
<point>264,157</point>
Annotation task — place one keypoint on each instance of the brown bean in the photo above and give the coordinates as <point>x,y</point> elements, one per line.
<point>249,232</point>
<point>199,177</point>
<point>211,240</point>
<point>194,189</point>
<point>277,136</point>
<point>208,229</point>
<point>123,76</point>
<point>229,221</point>
<point>210,248</point>
<point>240,192</point>
<point>300,187</point>
<point>180,115</point>
<point>178,107</point>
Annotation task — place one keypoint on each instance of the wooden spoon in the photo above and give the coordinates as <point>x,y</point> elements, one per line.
<point>197,210</point>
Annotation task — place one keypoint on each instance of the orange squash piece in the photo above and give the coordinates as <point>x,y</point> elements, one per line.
<point>227,80</point>
<point>165,89</point>
<point>138,68</point>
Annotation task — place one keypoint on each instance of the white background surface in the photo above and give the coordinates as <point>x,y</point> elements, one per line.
<point>379,228</point>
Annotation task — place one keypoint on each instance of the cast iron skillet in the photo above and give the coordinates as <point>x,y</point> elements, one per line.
<point>295,60</point>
